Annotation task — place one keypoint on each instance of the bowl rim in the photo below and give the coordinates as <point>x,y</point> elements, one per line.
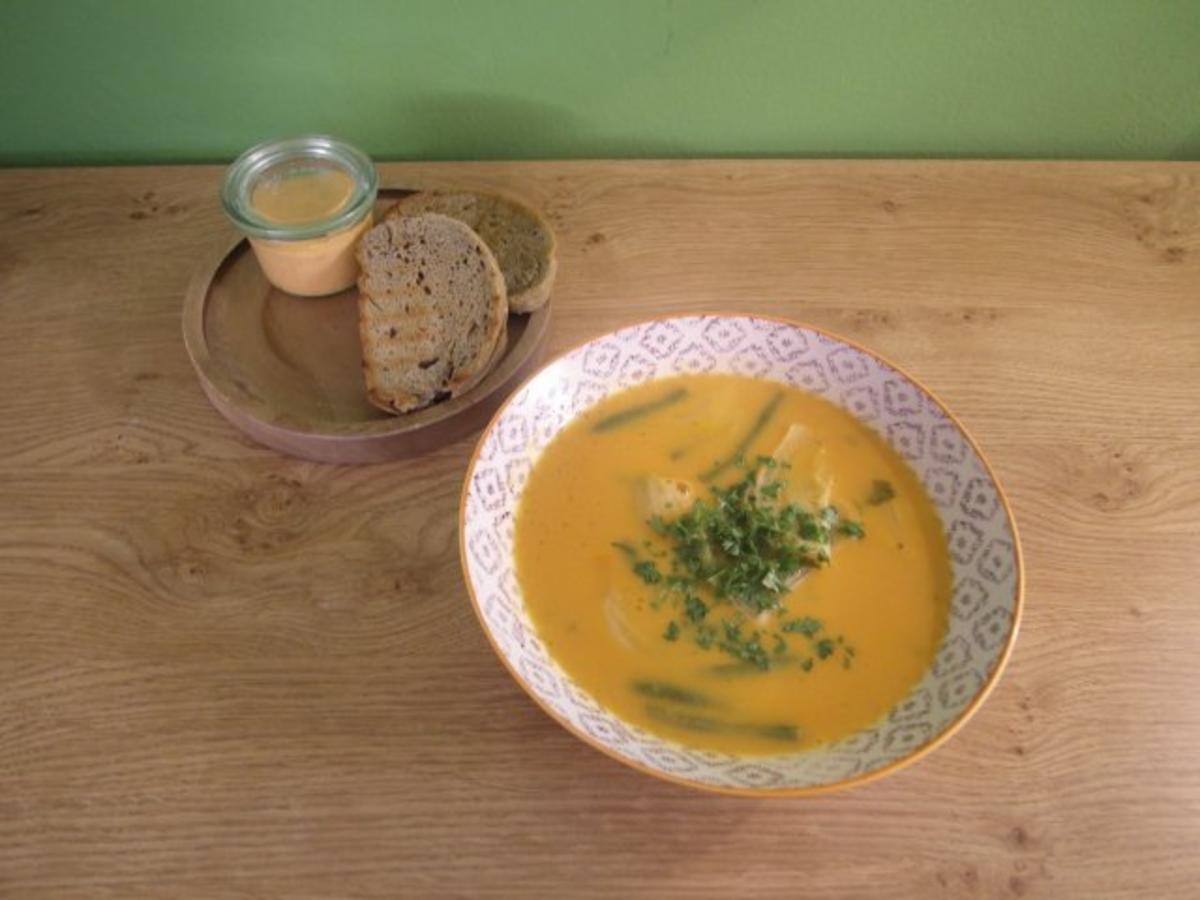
<point>892,767</point>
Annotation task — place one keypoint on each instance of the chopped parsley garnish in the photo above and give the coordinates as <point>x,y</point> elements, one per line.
<point>743,544</point>
<point>734,556</point>
<point>808,626</point>
<point>851,529</point>
<point>647,571</point>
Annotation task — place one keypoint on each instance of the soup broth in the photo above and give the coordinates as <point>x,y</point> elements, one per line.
<point>733,564</point>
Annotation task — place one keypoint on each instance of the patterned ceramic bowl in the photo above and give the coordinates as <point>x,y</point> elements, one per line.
<point>982,539</point>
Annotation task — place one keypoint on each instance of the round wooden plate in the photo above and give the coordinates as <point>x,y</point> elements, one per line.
<point>287,371</point>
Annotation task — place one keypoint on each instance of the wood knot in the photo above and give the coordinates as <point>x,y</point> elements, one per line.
<point>1162,218</point>
<point>1108,479</point>
<point>972,314</point>
<point>872,318</point>
<point>280,499</point>
<point>133,448</point>
<point>190,571</point>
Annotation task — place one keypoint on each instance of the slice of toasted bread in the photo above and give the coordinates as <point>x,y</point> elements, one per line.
<point>520,237</point>
<point>432,310</point>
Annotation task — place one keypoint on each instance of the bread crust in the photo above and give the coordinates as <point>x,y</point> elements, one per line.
<point>520,237</point>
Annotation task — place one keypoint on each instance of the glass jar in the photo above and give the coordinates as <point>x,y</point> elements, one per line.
<point>303,203</point>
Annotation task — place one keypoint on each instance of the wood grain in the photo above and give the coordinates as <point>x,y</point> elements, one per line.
<point>224,673</point>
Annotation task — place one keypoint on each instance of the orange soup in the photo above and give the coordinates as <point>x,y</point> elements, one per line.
<point>733,564</point>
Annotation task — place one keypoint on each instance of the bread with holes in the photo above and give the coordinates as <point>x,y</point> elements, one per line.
<point>432,310</point>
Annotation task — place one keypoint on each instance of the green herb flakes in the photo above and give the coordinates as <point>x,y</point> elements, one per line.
<point>881,492</point>
<point>647,571</point>
<point>695,608</point>
<point>734,556</point>
<point>851,529</point>
<point>807,626</point>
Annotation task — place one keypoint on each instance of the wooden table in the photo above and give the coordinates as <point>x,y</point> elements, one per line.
<point>224,673</point>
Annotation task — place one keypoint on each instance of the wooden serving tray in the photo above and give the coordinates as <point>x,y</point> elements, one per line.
<point>287,370</point>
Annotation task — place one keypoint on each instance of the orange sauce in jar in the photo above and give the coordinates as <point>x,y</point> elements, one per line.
<point>314,266</point>
<point>303,203</point>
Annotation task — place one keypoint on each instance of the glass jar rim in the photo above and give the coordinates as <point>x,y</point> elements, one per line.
<point>248,169</point>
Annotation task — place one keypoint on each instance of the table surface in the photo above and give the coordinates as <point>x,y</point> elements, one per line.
<point>225,673</point>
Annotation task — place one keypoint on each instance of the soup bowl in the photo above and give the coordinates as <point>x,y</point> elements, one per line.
<point>980,533</point>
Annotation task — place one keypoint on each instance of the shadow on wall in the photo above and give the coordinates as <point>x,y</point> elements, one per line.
<point>466,126</point>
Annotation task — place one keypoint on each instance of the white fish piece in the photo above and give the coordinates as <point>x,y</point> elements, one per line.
<point>808,481</point>
<point>667,498</point>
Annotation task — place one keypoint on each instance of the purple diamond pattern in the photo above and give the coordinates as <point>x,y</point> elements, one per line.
<point>979,501</point>
<point>635,369</point>
<point>848,365</point>
<point>996,563</point>
<point>724,335</point>
<point>863,402</point>
<point>969,597</point>
<point>859,743</point>
<point>990,629</point>
<point>946,444</point>
<point>661,339</point>
<point>956,690</point>
<point>755,776</point>
<point>808,376</point>
<point>516,475</point>
<point>786,344</point>
<point>540,676</point>
<point>601,360</point>
<point>900,398</point>
<point>908,438</point>
<point>753,363</point>
<point>512,434</point>
<point>965,540</point>
<point>587,393</point>
<point>694,360</point>
<point>606,729</point>
<point>942,485</point>
<point>908,737</point>
<point>671,760</point>
<point>486,552</point>
<point>916,707</point>
<point>955,655</point>
<point>491,491</point>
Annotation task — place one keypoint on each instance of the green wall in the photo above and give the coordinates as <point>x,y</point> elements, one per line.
<point>191,80</point>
